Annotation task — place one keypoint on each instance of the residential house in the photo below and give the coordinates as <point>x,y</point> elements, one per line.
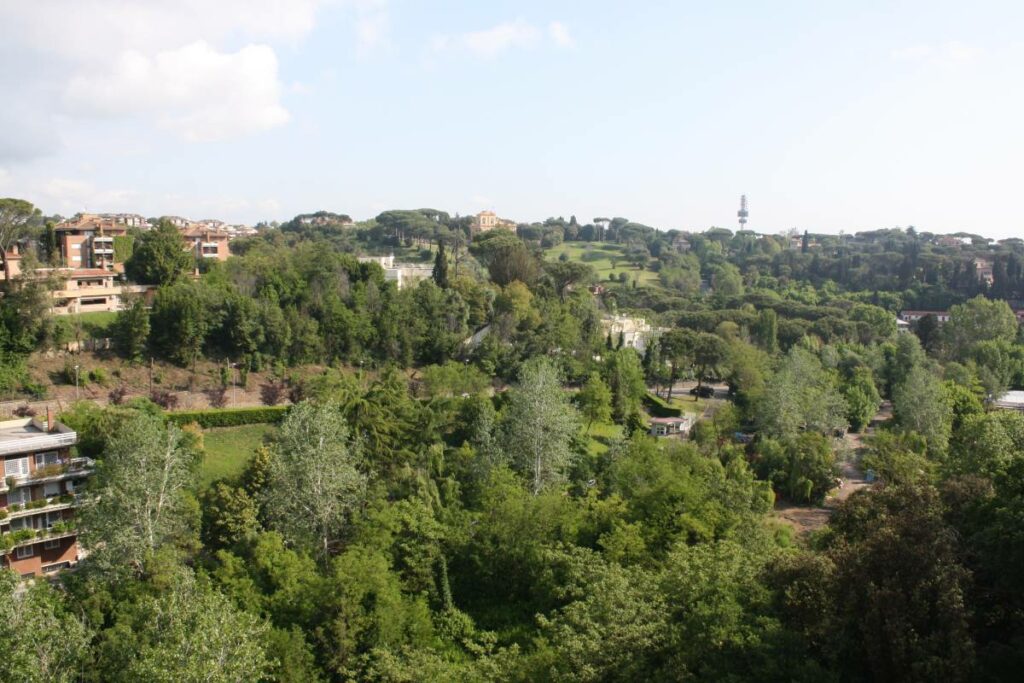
<point>207,243</point>
<point>485,221</point>
<point>39,495</point>
<point>670,426</point>
<point>983,269</point>
<point>87,240</point>
<point>402,274</point>
<point>636,333</point>
<point>913,316</point>
<point>84,290</point>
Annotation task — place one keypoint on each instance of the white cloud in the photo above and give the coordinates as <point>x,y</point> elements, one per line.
<point>201,69</point>
<point>372,25</point>
<point>491,42</point>
<point>560,34</point>
<point>195,91</point>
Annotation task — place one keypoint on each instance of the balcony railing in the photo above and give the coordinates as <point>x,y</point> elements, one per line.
<point>51,504</point>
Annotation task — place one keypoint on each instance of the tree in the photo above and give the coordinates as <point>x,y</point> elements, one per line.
<point>726,280</point>
<point>801,395</point>
<point>131,328</point>
<point>595,400</point>
<point>159,257</point>
<point>314,482</point>
<point>440,272</point>
<point>766,330</point>
<point>137,504</point>
<point>862,398</point>
<point>564,274</point>
<point>538,425</point>
<point>709,352</point>
<point>625,378</point>
<point>185,633</point>
<point>979,320</point>
<point>41,640</point>
<point>180,321</point>
<point>15,217</point>
<point>919,404</point>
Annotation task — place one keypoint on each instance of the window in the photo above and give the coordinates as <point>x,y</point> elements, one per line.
<point>19,496</point>
<point>52,518</point>
<point>43,459</point>
<point>52,545</point>
<point>16,467</point>
<point>50,568</point>
<point>51,489</point>
<point>25,551</point>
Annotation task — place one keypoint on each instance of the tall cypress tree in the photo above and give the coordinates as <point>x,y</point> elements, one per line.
<point>440,273</point>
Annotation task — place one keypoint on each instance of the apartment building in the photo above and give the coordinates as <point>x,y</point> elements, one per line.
<point>207,243</point>
<point>38,496</point>
<point>87,240</point>
<point>402,274</point>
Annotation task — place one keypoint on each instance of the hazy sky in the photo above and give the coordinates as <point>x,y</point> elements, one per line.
<point>829,116</point>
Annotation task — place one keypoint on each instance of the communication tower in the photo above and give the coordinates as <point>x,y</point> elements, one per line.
<point>743,213</point>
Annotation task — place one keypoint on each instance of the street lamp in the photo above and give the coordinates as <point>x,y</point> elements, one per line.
<point>76,381</point>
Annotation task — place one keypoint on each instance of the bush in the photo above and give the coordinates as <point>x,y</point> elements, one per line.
<point>657,407</point>
<point>24,411</point>
<point>165,399</point>
<point>218,396</point>
<point>117,395</point>
<point>36,390</point>
<point>232,417</point>
<point>98,376</point>
<point>272,393</point>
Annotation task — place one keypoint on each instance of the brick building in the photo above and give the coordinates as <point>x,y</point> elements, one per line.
<point>38,496</point>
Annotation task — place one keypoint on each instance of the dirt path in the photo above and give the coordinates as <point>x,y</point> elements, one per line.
<point>808,518</point>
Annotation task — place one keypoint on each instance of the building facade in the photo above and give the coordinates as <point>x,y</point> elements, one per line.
<point>485,221</point>
<point>39,495</point>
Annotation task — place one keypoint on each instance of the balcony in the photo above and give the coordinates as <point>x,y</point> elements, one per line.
<point>23,537</point>
<point>51,504</point>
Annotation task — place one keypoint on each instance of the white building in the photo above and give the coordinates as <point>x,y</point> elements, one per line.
<point>636,333</point>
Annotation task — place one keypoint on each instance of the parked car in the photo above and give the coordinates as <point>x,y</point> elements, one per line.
<point>704,391</point>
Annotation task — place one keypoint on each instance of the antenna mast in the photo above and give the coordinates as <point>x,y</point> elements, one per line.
<point>743,213</point>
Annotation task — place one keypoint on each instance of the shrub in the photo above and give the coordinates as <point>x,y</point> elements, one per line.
<point>36,390</point>
<point>24,411</point>
<point>231,417</point>
<point>657,407</point>
<point>117,395</point>
<point>218,396</point>
<point>98,376</point>
<point>272,393</point>
<point>165,399</point>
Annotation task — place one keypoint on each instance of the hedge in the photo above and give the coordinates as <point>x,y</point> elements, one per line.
<point>230,417</point>
<point>657,407</point>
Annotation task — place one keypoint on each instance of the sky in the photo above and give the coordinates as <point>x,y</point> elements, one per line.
<point>828,116</point>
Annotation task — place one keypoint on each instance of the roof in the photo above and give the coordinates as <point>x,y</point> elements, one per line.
<point>29,434</point>
<point>1011,399</point>
<point>668,420</point>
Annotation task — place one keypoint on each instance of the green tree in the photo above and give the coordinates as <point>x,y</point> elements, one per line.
<point>766,330</point>
<point>15,219</point>
<point>919,405</point>
<point>440,272</point>
<point>595,400</point>
<point>131,329</point>
<point>625,378</point>
<point>538,426</point>
<point>802,395</point>
<point>314,482</point>
<point>862,398</point>
<point>42,641</point>
<point>979,320</point>
<point>180,322</point>
<point>136,504</point>
<point>185,633</point>
<point>159,257</point>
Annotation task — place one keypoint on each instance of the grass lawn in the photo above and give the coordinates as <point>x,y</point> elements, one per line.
<point>228,449</point>
<point>601,436</point>
<point>96,324</point>
<point>602,266</point>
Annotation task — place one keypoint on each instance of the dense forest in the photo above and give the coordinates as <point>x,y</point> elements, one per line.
<point>429,508</point>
